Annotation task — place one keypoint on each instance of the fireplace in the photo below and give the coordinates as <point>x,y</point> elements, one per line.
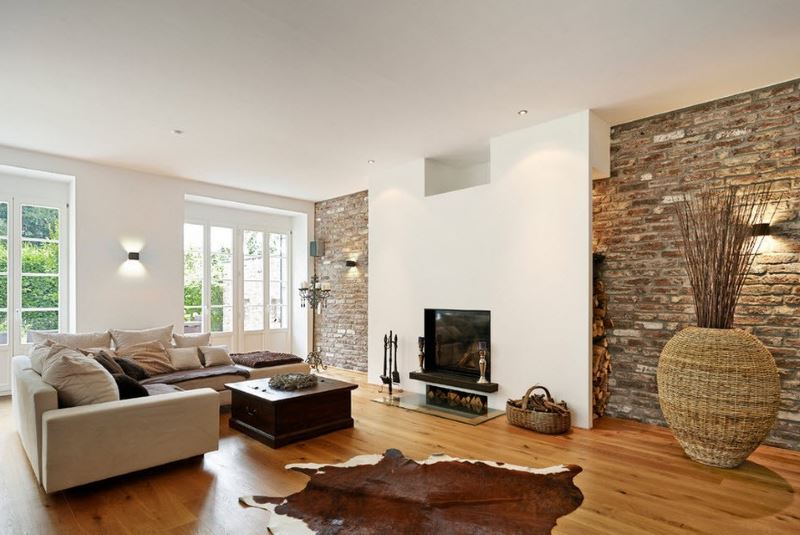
<point>451,341</point>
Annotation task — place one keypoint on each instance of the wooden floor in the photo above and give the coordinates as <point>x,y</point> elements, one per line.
<point>635,479</point>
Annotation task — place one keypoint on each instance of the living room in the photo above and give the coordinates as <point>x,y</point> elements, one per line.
<point>379,267</point>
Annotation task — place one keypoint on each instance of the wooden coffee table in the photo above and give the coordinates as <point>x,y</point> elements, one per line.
<point>277,417</point>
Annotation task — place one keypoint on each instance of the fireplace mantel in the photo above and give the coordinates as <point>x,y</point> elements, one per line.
<point>449,379</point>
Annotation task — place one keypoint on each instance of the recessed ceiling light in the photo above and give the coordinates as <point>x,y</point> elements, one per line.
<point>522,112</point>
<point>177,131</point>
<point>370,161</point>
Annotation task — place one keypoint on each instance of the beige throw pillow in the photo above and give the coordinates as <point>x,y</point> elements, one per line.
<point>192,340</point>
<point>74,340</point>
<point>152,356</point>
<point>123,338</point>
<point>215,356</point>
<point>184,358</point>
<point>80,380</point>
<point>45,355</point>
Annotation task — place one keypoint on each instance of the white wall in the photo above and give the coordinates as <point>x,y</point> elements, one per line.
<point>519,246</point>
<point>114,206</point>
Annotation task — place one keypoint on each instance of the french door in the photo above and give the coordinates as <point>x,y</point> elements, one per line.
<point>33,268</point>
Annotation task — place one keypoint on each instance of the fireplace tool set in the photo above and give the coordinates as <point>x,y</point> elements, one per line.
<point>390,376</point>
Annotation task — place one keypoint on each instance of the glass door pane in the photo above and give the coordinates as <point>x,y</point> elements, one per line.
<point>3,273</point>
<point>40,273</point>
<point>253,282</point>
<point>278,281</point>
<point>221,279</point>
<point>192,278</point>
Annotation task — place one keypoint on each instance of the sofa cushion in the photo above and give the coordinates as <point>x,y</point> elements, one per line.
<point>157,388</point>
<point>126,338</point>
<point>215,356</point>
<point>80,380</point>
<point>74,340</point>
<point>191,340</point>
<point>129,388</point>
<point>38,355</point>
<point>108,363</point>
<point>131,368</point>
<point>214,377</point>
<point>184,358</point>
<point>264,359</point>
<point>149,355</point>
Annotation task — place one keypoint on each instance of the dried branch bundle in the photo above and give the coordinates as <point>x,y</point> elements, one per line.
<point>719,246</point>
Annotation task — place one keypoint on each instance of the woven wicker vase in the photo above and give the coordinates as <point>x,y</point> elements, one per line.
<point>719,391</point>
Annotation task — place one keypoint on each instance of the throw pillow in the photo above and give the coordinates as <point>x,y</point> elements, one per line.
<point>216,356</point>
<point>184,358</point>
<point>192,340</point>
<point>108,363</point>
<point>129,387</point>
<point>80,380</point>
<point>41,361</point>
<point>123,338</point>
<point>150,355</point>
<point>39,354</point>
<point>74,340</point>
<point>131,368</point>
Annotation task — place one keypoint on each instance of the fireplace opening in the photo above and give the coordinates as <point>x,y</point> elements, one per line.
<point>451,341</point>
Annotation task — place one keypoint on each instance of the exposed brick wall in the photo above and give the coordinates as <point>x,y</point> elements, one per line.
<point>742,139</point>
<point>341,329</point>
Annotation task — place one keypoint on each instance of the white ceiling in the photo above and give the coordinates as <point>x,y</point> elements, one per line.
<point>294,96</point>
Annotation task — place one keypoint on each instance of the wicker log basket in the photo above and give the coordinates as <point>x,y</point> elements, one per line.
<point>539,412</point>
<point>719,390</point>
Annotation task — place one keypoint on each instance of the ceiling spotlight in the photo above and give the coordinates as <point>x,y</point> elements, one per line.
<point>177,131</point>
<point>522,113</point>
<point>370,161</point>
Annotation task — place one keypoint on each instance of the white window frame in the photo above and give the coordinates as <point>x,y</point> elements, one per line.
<point>238,277</point>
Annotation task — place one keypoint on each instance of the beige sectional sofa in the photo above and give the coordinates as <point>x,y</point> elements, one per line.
<point>73,446</point>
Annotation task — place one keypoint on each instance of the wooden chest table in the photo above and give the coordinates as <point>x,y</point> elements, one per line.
<point>277,417</point>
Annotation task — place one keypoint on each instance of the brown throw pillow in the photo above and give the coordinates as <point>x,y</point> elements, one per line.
<point>131,368</point>
<point>108,363</point>
<point>152,356</point>
<point>128,387</point>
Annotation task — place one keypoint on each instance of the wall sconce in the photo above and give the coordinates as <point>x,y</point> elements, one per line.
<point>350,263</point>
<point>761,229</point>
<point>133,255</point>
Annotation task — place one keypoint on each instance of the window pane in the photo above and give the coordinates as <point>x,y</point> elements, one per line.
<point>3,219</point>
<point>277,245</point>
<point>3,328</point>
<point>253,243</point>
<point>253,293</point>
<point>39,257</point>
<point>42,321</point>
<point>39,292</point>
<point>254,318</point>
<point>276,272</point>
<point>221,293</point>
<point>3,291</point>
<point>278,318</point>
<point>192,278</point>
<point>40,222</point>
<point>221,319</point>
<point>192,320</point>
<point>3,255</point>
<point>275,293</point>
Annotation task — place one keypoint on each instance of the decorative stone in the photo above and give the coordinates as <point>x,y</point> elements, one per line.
<point>293,381</point>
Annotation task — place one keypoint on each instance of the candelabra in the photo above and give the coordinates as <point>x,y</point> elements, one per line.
<point>315,295</point>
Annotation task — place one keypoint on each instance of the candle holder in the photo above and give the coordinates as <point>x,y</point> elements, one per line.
<point>482,361</point>
<point>421,356</point>
<point>316,296</point>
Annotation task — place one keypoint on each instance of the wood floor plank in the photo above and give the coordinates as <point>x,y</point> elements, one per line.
<point>635,478</point>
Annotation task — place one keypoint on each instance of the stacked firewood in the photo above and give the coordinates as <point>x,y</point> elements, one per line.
<point>601,360</point>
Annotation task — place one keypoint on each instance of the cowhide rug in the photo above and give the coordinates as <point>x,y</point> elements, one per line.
<point>377,494</point>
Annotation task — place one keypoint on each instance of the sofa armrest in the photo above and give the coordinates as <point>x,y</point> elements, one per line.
<point>94,442</point>
<point>31,398</point>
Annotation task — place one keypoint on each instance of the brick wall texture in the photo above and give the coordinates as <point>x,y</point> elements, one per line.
<point>751,137</point>
<point>341,330</point>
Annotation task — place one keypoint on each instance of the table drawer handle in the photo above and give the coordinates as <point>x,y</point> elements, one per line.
<point>249,411</point>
